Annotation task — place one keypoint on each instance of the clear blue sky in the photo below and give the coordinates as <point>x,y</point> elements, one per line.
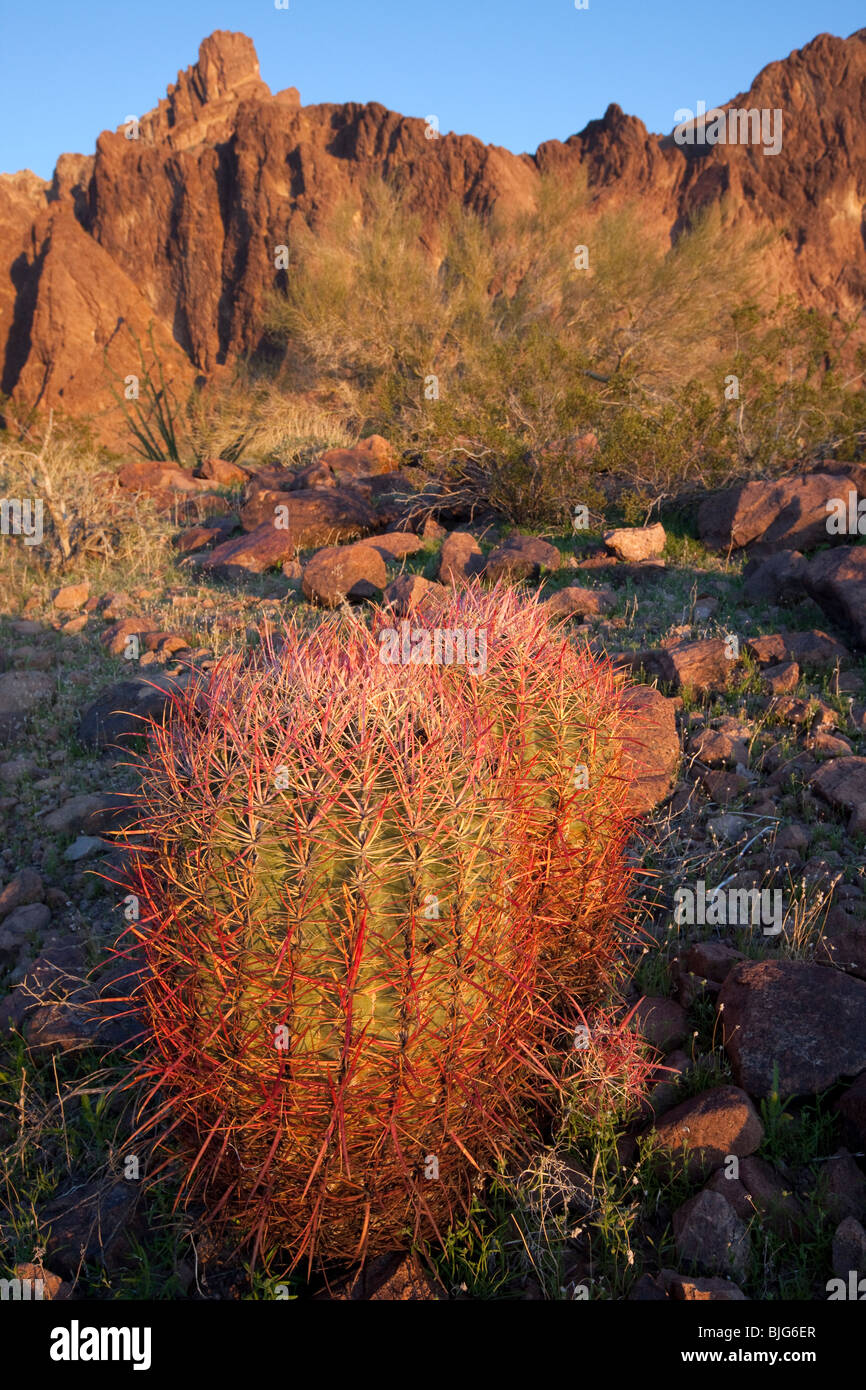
<point>513,72</point>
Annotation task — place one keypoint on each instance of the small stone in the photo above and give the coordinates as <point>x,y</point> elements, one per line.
<point>849,1249</point>
<point>461,558</point>
<point>635,543</point>
<point>26,887</point>
<point>706,1128</point>
<point>71,596</point>
<point>728,827</point>
<point>782,678</point>
<point>84,847</point>
<point>710,1236</point>
<point>661,1022</point>
<point>73,814</point>
<point>689,1289</point>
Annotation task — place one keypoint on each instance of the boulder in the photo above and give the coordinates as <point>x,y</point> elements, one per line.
<point>842,782</point>
<point>309,517</point>
<point>522,557</point>
<point>710,1236</point>
<point>120,713</point>
<point>89,1221</point>
<point>411,593</point>
<point>651,748</point>
<point>812,648</point>
<point>461,558</point>
<point>775,579</point>
<point>70,596</point>
<point>157,476</point>
<point>25,888</point>
<point>338,573</point>
<point>396,545</point>
<point>836,581</point>
<point>636,543</point>
<point>22,693</point>
<point>785,514</point>
<point>703,1130</point>
<point>223,473</point>
<point>804,1021</point>
<point>580,603</point>
<point>699,666</point>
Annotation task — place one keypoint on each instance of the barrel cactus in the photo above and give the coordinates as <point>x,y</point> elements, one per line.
<point>380,870</point>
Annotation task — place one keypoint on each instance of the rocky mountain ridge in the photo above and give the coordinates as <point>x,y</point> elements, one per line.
<point>177,227</point>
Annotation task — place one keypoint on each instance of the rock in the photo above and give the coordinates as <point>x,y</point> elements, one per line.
<point>17,768</point>
<point>396,545</point>
<point>843,942</point>
<point>793,839</point>
<point>703,1130</point>
<point>651,748</point>
<point>807,1021</point>
<point>576,602</point>
<point>522,557</point>
<point>852,1108</point>
<point>718,749</point>
<point>338,573</point>
<point>710,1236</point>
<point>33,918</point>
<point>156,476</point>
<point>120,712</point>
<point>724,787</point>
<point>89,1222</point>
<point>778,579</point>
<point>690,1289</point>
<point>40,1284</point>
<point>412,593</point>
<point>646,1289</point>
<point>279,523</point>
<point>635,543</point>
<point>164,643</point>
<point>70,596</point>
<point>728,827</point>
<point>74,814</point>
<point>52,976</point>
<point>842,1187</point>
<point>196,538</point>
<point>771,1198</point>
<point>21,694</point>
<point>829,746</point>
<point>372,456</point>
<point>805,648</point>
<point>712,960</point>
<point>391,1278</point>
<point>460,559</point>
<point>114,606</point>
<point>25,888</point>
<point>849,1249</point>
<point>116,637</point>
<point>785,514</point>
<point>84,847</point>
<point>782,678</point>
<point>311,516</point>
<point>699,666</point>
<point>223,473</point>
<point>661,1022</point>
<point>842,782</point>
<point>836,581</point>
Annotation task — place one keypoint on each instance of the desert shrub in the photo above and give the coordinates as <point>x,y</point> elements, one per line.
<point>493,358</point>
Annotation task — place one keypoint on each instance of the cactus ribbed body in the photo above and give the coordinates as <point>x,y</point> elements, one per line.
<point>372,894</point>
